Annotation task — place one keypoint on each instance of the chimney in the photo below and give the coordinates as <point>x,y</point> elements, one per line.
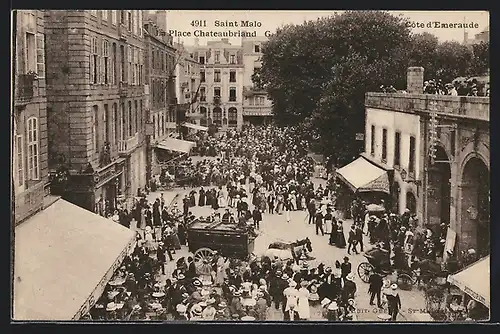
<point>415,80</point>
<point>225,40</point>
<point>466,37</point>
<point>196,41</point>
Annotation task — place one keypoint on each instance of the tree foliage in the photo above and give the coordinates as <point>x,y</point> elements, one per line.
<point>317,73</point>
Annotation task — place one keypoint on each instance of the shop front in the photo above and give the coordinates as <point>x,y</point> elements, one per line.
<point>63,258</point>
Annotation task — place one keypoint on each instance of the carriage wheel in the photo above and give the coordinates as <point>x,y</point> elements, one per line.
<point>203,261</point>
<point>405,281</point>
<point>364,271</point>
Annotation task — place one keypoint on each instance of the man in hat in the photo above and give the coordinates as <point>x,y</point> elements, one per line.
<point>196,312</point>
<point>277,285</point>
<point>160,256</point>
<point>345,267</point>
<point>352,240</point>
<point>234,278</point>
<point>349,289</point>
<point>181,312</point>
<point>393,302</point>
<point>261,306</point>
<point>191,272</point>
<point>209,311</point>
<point>257,217</point>
<point>376,283</point>
<point>318,220</point>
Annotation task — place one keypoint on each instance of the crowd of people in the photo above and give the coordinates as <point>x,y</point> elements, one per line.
<point>459,87</point>
<point>255,171</point>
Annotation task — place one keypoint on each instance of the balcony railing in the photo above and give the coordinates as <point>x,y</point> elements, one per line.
<point>216,100</point>
<point>25,87</point>
<point>29,202</point>
<point>123,89</point>
<point>126,146</point>
<point>473,107</point>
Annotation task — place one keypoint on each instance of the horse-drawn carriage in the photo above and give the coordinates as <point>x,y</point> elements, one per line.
<point>378,260</point>
<point>228,239</point>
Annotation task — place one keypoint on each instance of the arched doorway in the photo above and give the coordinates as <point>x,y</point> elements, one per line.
<point>411,202</point>
<point>217,116</point>
<point>232,115</point>
<point>475,226</point>
<point>396,191</point>
<point>439,190</point>
<point>203,119</point>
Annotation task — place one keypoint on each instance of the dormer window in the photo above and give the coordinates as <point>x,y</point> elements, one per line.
<point>232,59</point>
<point>217,57</point>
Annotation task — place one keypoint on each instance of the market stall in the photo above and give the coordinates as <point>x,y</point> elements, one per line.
<point>474,281</point>
<point>64,257</point>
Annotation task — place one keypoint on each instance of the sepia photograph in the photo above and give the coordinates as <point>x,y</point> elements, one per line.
<point>250,166</point>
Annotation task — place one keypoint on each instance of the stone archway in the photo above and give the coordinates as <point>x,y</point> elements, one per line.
<point>411,202</point>
<point>439,190</point>
<point>475,203</point>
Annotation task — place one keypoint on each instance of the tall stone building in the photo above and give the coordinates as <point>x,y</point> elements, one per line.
<point>221,77</point>
<point>453,186</point>
<point>29,151</point>
<point>95,89</point>
<point>257,108</point>
<point>160,59</point>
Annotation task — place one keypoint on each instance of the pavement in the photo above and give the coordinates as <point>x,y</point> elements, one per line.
<point>275,228</point>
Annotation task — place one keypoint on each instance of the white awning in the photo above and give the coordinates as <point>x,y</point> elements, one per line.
<point>474,280</point>
<point>195,126</point>
<point>176,145</point>
<point>64,257</point>
<point>361,175</point>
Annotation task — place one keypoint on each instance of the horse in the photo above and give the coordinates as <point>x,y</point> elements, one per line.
<point>287,251</point>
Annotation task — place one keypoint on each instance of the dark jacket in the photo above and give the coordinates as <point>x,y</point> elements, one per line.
<point>296,316</point>
<point>375,282</point>
<point>345,268</point>
<point>257,215</point>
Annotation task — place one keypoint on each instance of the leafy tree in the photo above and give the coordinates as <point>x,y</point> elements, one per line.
<point>480,59</point>
<point>320,71</point>
<point>423,53</point>
<point>453,60</point>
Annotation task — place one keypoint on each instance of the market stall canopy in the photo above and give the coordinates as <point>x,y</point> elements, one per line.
<point>474,280</point>
<point>176,145</point>
<point>64,257</point>
<point>195,126</point>
<point>363,176</point>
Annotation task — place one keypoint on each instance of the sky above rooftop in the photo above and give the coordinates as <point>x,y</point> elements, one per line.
<point>181,21</point>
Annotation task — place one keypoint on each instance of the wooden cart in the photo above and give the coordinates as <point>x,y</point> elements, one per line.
<point>227,239</point>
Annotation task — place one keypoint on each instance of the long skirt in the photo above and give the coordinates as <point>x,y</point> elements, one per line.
<point>341,243</point>
<point>175,241</point>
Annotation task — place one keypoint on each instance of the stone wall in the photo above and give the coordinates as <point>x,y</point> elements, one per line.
<point>473,107</point>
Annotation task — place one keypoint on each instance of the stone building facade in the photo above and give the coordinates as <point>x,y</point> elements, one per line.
<point>453,187</point>
<point>29,161</point>
<point>161,106</point>
<point>95,89</point>
<point>221,78</point>
<point>257,108</point>
<point>188,88</point>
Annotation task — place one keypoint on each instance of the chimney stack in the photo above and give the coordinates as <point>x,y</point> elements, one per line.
<point>415,80</point>
<point>196,41</point>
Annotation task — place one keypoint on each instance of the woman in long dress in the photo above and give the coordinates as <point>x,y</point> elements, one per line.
<point>175,237</point>
<point>341,243</point>
<point>201,197</point>
<point>303,302</point>
<point>222,198</point>
<point>222,265</point>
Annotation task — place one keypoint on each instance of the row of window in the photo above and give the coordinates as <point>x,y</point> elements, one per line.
<point>217,92</point>
<point>397,148</point>
<point>132,19</point>
<point>32,157</point>
<point>232,58</point>
<point>162,60</point>
<point>104,61</point>
<point>217,76</point>
<point>256,100</point>
<point>232,116</point>
<point>160,120</point>
<point>118,124</point>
